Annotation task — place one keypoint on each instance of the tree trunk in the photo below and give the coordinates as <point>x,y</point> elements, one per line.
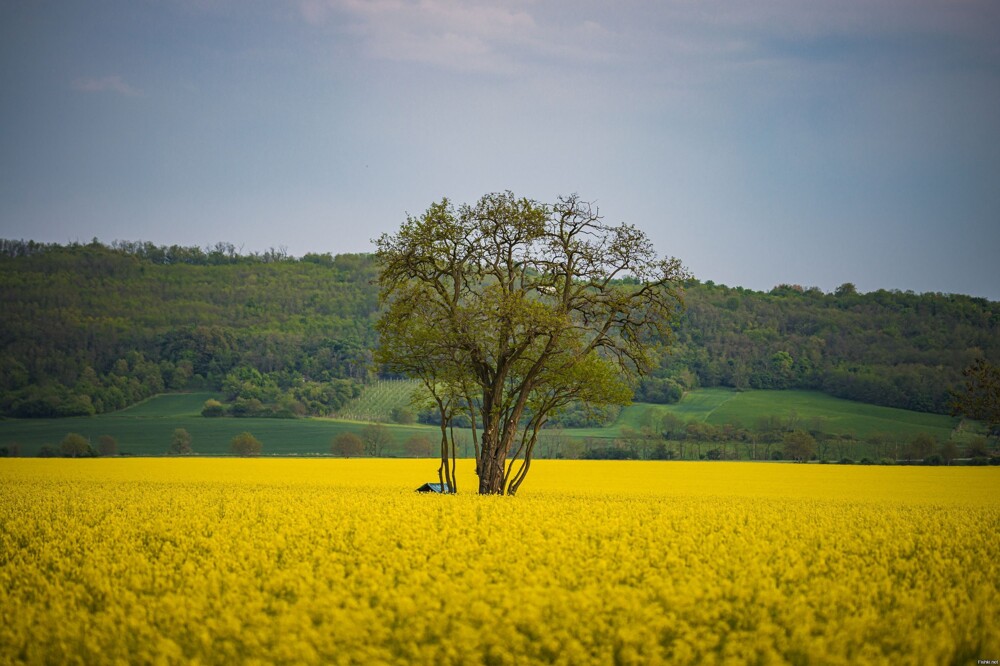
<point>491,473</point>
<point>492,464</point>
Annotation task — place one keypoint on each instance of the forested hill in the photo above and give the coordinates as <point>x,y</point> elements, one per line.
<point>93,328</point>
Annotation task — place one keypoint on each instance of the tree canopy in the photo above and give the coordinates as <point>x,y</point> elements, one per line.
<point>510,309</point>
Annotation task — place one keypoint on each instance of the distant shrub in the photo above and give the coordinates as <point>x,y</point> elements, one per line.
<point>245,444</point>
<point>979,461</point>
<point>180,442</point>
<point>846,461</point>
<point>661,452</point>
<point>213,408</point>
<point>402,415</point>
<point>609,453</point>
<point>48,451</point>
<point>75,445</point>
<point>347,444</point>
<point>933,460</point>
<point>418,446</point>
<point>107,445</point>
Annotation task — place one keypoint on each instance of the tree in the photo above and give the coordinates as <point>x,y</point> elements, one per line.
<point>923,445</point>
<point>347,444</point>
<point>948,452</point>
<point>245,444</point>
<point>980,395</point>
<point>402,415</point>
<point>376,438</point>
<point>107,445</point>
<point>180,442</point>
<point>799,445</point>
<point>212,408</point>
<point>418,446</point>
<point>75,445</point>
<point>509,310</point>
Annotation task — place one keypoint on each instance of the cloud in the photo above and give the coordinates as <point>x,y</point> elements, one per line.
<point>499,36</point>
<point>112,84</point>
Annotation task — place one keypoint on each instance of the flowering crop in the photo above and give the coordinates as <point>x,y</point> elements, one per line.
<point>338,561</point>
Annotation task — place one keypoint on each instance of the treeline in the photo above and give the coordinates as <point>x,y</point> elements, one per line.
<point>890,348</point>
<point>91,328</point>
<point>769,438</point>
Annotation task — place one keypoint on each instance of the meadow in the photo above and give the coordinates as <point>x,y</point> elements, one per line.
<point>146,428</point>
<point>218,561</point>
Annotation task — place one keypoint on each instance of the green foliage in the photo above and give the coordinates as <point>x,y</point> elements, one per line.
<point>402,415</point>
<point>75,445</point>
<point>979,397</point>
<point>886,348</point>
<point>510,309</point>
<point>245,444</point>
<point>659,390</point>
<point>213,408</point>
<point>93,329</point>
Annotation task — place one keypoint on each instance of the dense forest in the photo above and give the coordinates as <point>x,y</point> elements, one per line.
<point>92,328</point>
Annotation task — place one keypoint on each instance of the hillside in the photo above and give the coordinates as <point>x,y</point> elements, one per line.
<point>90,329</point>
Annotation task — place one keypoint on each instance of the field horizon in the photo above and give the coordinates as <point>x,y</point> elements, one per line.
<point>145,429</point>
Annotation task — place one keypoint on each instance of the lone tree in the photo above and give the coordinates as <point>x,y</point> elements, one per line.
<point>376,438</point>
<point>180,442</point>
<point>509,310</point>
<point>347,444</point>
<point>245,444</point>
<point>75,445</point>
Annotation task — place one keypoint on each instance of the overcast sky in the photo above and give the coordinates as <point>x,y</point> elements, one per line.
<point>765,142</point>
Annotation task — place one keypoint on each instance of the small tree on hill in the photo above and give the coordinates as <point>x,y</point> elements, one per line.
<point>402,415</point>
<point>75,445</point>
<point>799,445</point>
<point>922,446</point>
<point>180,442</point>
<point>245,444</point>
<point>347,444</point>
<point>948,452</point>
<point>107,445</point>
<point>418,446</point>
<point>213,408</point>
<point>376,438</point>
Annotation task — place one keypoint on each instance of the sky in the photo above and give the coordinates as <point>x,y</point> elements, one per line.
<point>762,143</point>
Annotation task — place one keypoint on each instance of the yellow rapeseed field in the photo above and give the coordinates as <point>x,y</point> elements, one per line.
<point>221,561</point>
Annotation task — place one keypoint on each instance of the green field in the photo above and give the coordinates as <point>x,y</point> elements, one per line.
<point>810,410</point>
<point>146,428</point>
